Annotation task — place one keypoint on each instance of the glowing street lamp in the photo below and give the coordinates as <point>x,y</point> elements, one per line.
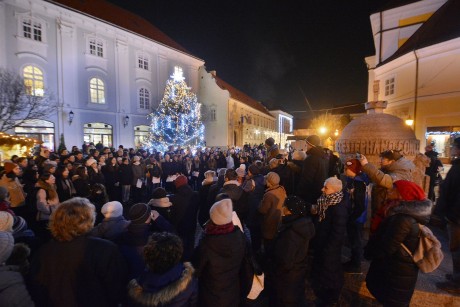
<point>409,121</point>
<point>336,133</point>
<point>322,130</point>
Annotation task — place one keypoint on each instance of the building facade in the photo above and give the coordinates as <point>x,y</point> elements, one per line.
<point>235,119</point>
<point>105,67</point>
<point>416,67</point>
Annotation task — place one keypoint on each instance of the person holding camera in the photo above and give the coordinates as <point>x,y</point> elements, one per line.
<point>393,167</point>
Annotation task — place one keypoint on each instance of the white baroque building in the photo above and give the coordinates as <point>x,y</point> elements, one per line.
<point>416,67</point>
<point>106,67</point>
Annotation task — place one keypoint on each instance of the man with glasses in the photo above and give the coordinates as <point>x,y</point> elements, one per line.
<point>448,207</point>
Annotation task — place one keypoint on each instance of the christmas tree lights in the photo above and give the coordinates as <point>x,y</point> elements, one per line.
<point>177,120</point>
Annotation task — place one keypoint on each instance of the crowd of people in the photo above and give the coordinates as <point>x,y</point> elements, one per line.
<point>254,226</point>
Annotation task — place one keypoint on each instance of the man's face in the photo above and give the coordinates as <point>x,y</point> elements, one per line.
<point>328,189</point>
<point>385,163</point>
<point>80,156</point>
<point>23,163</point>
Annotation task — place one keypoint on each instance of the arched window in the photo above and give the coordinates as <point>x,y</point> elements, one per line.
<point>97,90</point>
<point>144,98</point>
<point>33,81</point>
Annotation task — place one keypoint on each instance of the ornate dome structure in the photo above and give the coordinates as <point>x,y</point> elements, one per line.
<point>376,132</point>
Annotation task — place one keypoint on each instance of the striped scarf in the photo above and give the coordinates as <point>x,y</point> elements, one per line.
<point>328,200</point>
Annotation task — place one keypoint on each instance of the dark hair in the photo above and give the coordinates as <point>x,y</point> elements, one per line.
<point>221,196</point>
<point>391,154</point>
<point>270,141</point>
<point>80,171</point>
<point>456,143</point>
<point>59,170</point>
<point>45,176</point>
<point>231,174</point>
<point>163,251</point>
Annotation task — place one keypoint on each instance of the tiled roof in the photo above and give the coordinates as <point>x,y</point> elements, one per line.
<point>442,26</point>
<point>122,18</point>
<point>240,96</point>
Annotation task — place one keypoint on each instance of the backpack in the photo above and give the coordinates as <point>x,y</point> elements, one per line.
<point>428,254</point>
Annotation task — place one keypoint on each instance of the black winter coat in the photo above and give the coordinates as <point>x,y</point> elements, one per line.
<point>125,174</point>
<point>327,268</point>
<point>86,271</point>
<point>217,262</point>
<point>314,173</point>
<point>448,204</point>
<point>393,274</point>
<point>239,199</point>
<point>290,259</point>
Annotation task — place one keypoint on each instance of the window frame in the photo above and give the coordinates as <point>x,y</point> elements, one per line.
<point>37,28</point>
<point>98,101</point>
<point>35,80</point>
<point>389,86</point>
<point>143,61</point>
<point>96,47</point>
<point>141,98</point>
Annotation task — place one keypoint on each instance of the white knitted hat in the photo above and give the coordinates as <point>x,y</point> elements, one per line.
<point>221,212</point>
<point>112,209</point>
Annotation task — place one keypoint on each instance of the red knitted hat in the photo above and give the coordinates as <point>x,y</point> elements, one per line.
<point>180,181</point>
<point>354,165</point>
<point>9,167</point>
<point>409,190</point>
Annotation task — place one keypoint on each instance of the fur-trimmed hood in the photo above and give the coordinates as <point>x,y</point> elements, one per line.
<point>420,210</point>
<point>165,295</point>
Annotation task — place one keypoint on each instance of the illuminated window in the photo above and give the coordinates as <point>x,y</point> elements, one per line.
<point>389,86</point>
<point>32,29</point>
<point>96,47</point>
<point>144,98</point>
<point>143,62</point>
<point>97,90</point>
<point>33,81</point>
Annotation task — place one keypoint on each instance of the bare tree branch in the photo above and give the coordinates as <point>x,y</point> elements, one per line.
<point>16,106</point>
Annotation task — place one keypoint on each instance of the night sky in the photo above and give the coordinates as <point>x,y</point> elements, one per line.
<point>275,50</point>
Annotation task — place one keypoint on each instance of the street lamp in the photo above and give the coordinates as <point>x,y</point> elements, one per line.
<point>126,121</point>
<point>409,121</point>
<point>71,115</point>
<point>322,130</point>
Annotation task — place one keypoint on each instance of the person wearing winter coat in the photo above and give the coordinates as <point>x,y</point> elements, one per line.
<point>185,211</point>
<point>393,167</point>
<point>94,173</point>
<point>75,269</point>
<point>110,172</point>
<point>160,202</point>
<point>291,253</point>
<point>9,180</point>
<point>327,274</point>
<point>81,182</point>
<point>239,197</point>
<point>13,291</point>
<point>357,203</point>
<point>138,177</point>
<point>64,185</point>
<point>448,209</point>
<point>271,209</point>
<point>144,222</point>
<point>218,258</point>
<point>203,211</point>
<point>314,171</point>
<point>255,187</point>
<point>125,175</point>
<point>113,224</point>
<point>47,196</point>
<point>167,281</point>
<point>393,273</point>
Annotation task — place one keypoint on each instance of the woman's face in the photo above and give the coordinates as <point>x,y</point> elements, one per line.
<point>65,173</point>
<point>328,189</point>
<point>51,180</point>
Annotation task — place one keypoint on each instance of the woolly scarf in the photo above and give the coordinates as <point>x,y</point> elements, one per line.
<point>328,200</point>
<point>213,229</point>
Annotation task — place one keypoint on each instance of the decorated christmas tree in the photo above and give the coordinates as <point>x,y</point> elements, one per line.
<point>177,120</point>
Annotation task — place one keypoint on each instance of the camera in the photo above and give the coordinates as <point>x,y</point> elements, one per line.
<point>358,155</point>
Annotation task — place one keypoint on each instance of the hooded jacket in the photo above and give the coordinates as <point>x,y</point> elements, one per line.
<point>393,274</point>
<point>175,288</point>
<point>314,173</point>
<point>401,169</point>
